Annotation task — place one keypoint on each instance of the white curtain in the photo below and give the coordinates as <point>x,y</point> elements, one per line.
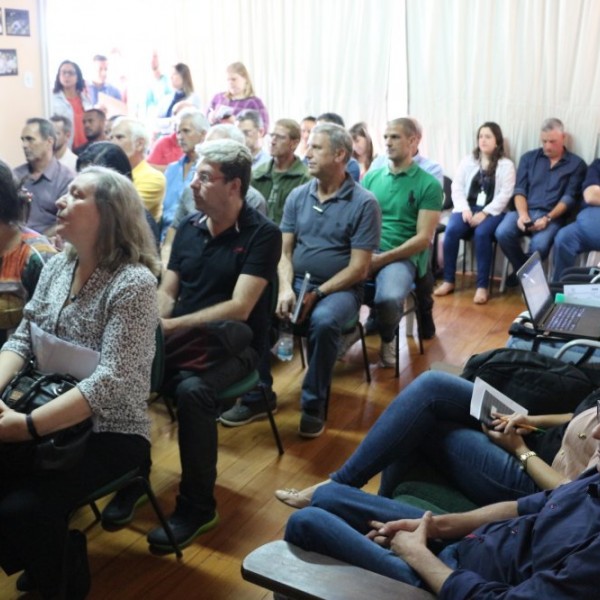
<point>515,62</point>
<point>304,57</point>
<point>453,64</point>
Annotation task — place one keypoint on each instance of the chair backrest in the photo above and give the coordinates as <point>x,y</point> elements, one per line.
<point>447,194</point>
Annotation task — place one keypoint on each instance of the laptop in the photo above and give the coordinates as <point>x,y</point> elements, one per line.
<point>566,320</point>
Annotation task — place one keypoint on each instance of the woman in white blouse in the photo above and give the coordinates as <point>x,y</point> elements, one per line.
<point>481,190</point>
<point>99,294</point>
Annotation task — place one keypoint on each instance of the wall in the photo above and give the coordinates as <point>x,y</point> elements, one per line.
<point>21,96</point>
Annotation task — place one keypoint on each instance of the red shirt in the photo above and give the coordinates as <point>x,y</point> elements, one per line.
<point>165,151</point>
<point>78,135</point>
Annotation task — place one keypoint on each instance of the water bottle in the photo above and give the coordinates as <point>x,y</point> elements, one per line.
<point>285,343</point>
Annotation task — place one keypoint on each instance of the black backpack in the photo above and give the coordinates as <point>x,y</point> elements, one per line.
<point>542,384</point>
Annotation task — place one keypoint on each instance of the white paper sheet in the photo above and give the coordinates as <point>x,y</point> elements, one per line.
<point>54,355</point>
<point>587,294</point>
<point>487,399</point>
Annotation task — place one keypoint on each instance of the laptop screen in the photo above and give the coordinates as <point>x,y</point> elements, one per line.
<point>535,287</point>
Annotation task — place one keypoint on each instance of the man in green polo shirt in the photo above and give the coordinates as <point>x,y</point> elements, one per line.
<point>276,178</point>
<point>410,201</point>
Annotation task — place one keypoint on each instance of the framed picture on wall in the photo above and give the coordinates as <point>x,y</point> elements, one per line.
<point>8,62</point>
<point>16,21</point>
<point>1,23</point>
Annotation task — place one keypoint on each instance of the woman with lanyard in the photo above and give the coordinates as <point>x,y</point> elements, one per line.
<point>481,190</point>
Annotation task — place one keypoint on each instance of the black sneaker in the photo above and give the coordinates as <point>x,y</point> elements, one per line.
<point>512,281</point>
<point>186,523</point>
<point>242,413</point>
<point>120,510</point>
<point>312,424</point>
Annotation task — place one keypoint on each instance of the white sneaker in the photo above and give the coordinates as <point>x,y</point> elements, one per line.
<point>387,354</point>
<point>347,341</point>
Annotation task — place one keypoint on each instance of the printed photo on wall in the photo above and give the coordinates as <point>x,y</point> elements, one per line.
<point>16,21</point>
<point>1,23</point>
<point>8,62</point>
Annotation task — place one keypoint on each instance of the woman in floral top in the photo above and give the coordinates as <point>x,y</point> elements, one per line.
<point>99,294</point>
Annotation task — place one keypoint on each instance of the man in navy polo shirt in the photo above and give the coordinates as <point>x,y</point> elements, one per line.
<point>222,259</point>
<point>548,187</point>
<point>331,226</point>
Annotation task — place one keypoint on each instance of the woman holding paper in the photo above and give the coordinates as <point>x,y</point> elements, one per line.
<point>430,418</point>
<point>481,190</point>
<point>99,294</point>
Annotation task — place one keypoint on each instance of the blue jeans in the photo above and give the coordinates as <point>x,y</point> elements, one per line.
<point>336,523</point>
<point>392,284</point>
<point>483,236</point>
<point>509,237</point>
<point>431,417</point>
<point>327,321</point>
<point>581,236</point>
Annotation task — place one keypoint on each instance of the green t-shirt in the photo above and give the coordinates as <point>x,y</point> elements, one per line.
<point>401,197</point>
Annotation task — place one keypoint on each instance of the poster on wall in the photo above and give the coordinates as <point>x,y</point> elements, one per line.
<point>1,24</point>
<point>8,62</point>
<point>16,21</point>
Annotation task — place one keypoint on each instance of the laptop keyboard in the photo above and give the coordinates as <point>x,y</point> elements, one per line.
<point>565,318</point>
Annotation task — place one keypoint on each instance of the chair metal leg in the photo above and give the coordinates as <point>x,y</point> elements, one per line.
<point>96,511</point>
<point>326,411</point>
<point>272,421</point>
<point>300,343</point>
<point>159,513</point>
<point>361,330</point>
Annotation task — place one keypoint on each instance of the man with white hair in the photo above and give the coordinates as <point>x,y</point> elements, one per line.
<point>224,256</point>
<point>191,130</point>
<point>131,135</point>
<point>548,187</point>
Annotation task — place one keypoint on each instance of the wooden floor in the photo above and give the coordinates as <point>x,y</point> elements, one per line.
<point>250,469</point>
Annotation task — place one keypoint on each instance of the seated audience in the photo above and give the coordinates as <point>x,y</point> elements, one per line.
<point>481,190</point>
<point>306,126</point>
<point>251,125</point>
<point>94,126</point>
<point>584,234</point>
<point>352,167</point>
<point>191,131</point>
<point>331,227</point>
<point>70,99</point>
<point>362,147</point>
<point>23,253</point>
<point>63,129</point>
<point>430,419</point>
<point>132,137</point>
<point>276,178</point>
<point>548,187</point>
<point>181,81</point>
<point>99,294</point>
<point>42,175</point>
<point>410,200</point>
<point>222,261</point>
<point>107,154</point>
<point>238,97</point>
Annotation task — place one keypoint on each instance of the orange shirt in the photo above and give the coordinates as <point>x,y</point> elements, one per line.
<point>78,135</point>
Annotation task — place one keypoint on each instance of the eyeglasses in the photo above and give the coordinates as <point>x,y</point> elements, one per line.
<point>205,178</point>
<point>279,137</point>
<point>72,73</point>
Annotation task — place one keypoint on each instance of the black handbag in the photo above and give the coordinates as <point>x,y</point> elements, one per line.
<point>58,451</point>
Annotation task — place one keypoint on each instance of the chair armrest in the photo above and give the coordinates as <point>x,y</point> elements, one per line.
<point>288,570</point>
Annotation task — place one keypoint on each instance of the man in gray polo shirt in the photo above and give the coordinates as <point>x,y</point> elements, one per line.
<point>43,176</point>
<point>331,226</point>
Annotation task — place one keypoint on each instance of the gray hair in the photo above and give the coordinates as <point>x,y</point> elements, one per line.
<point>46,128</point>
<point>199,121</point>
<point>225,131</point>
<point>251,115</point>
<point>233,158</point>
<point>67,123</point>
<point>553,124</point>
<point>339,138</point>
<point>137,129</point>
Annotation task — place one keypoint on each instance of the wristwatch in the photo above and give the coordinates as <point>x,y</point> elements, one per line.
<point>548,218</point>
<point>319,293</point>
<point>523,458</point>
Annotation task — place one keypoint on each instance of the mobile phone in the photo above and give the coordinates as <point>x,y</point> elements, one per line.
<point>528,225</point>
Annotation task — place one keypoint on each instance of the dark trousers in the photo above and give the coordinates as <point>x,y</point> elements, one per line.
<point>34,508</point>
<point>197,409</point>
